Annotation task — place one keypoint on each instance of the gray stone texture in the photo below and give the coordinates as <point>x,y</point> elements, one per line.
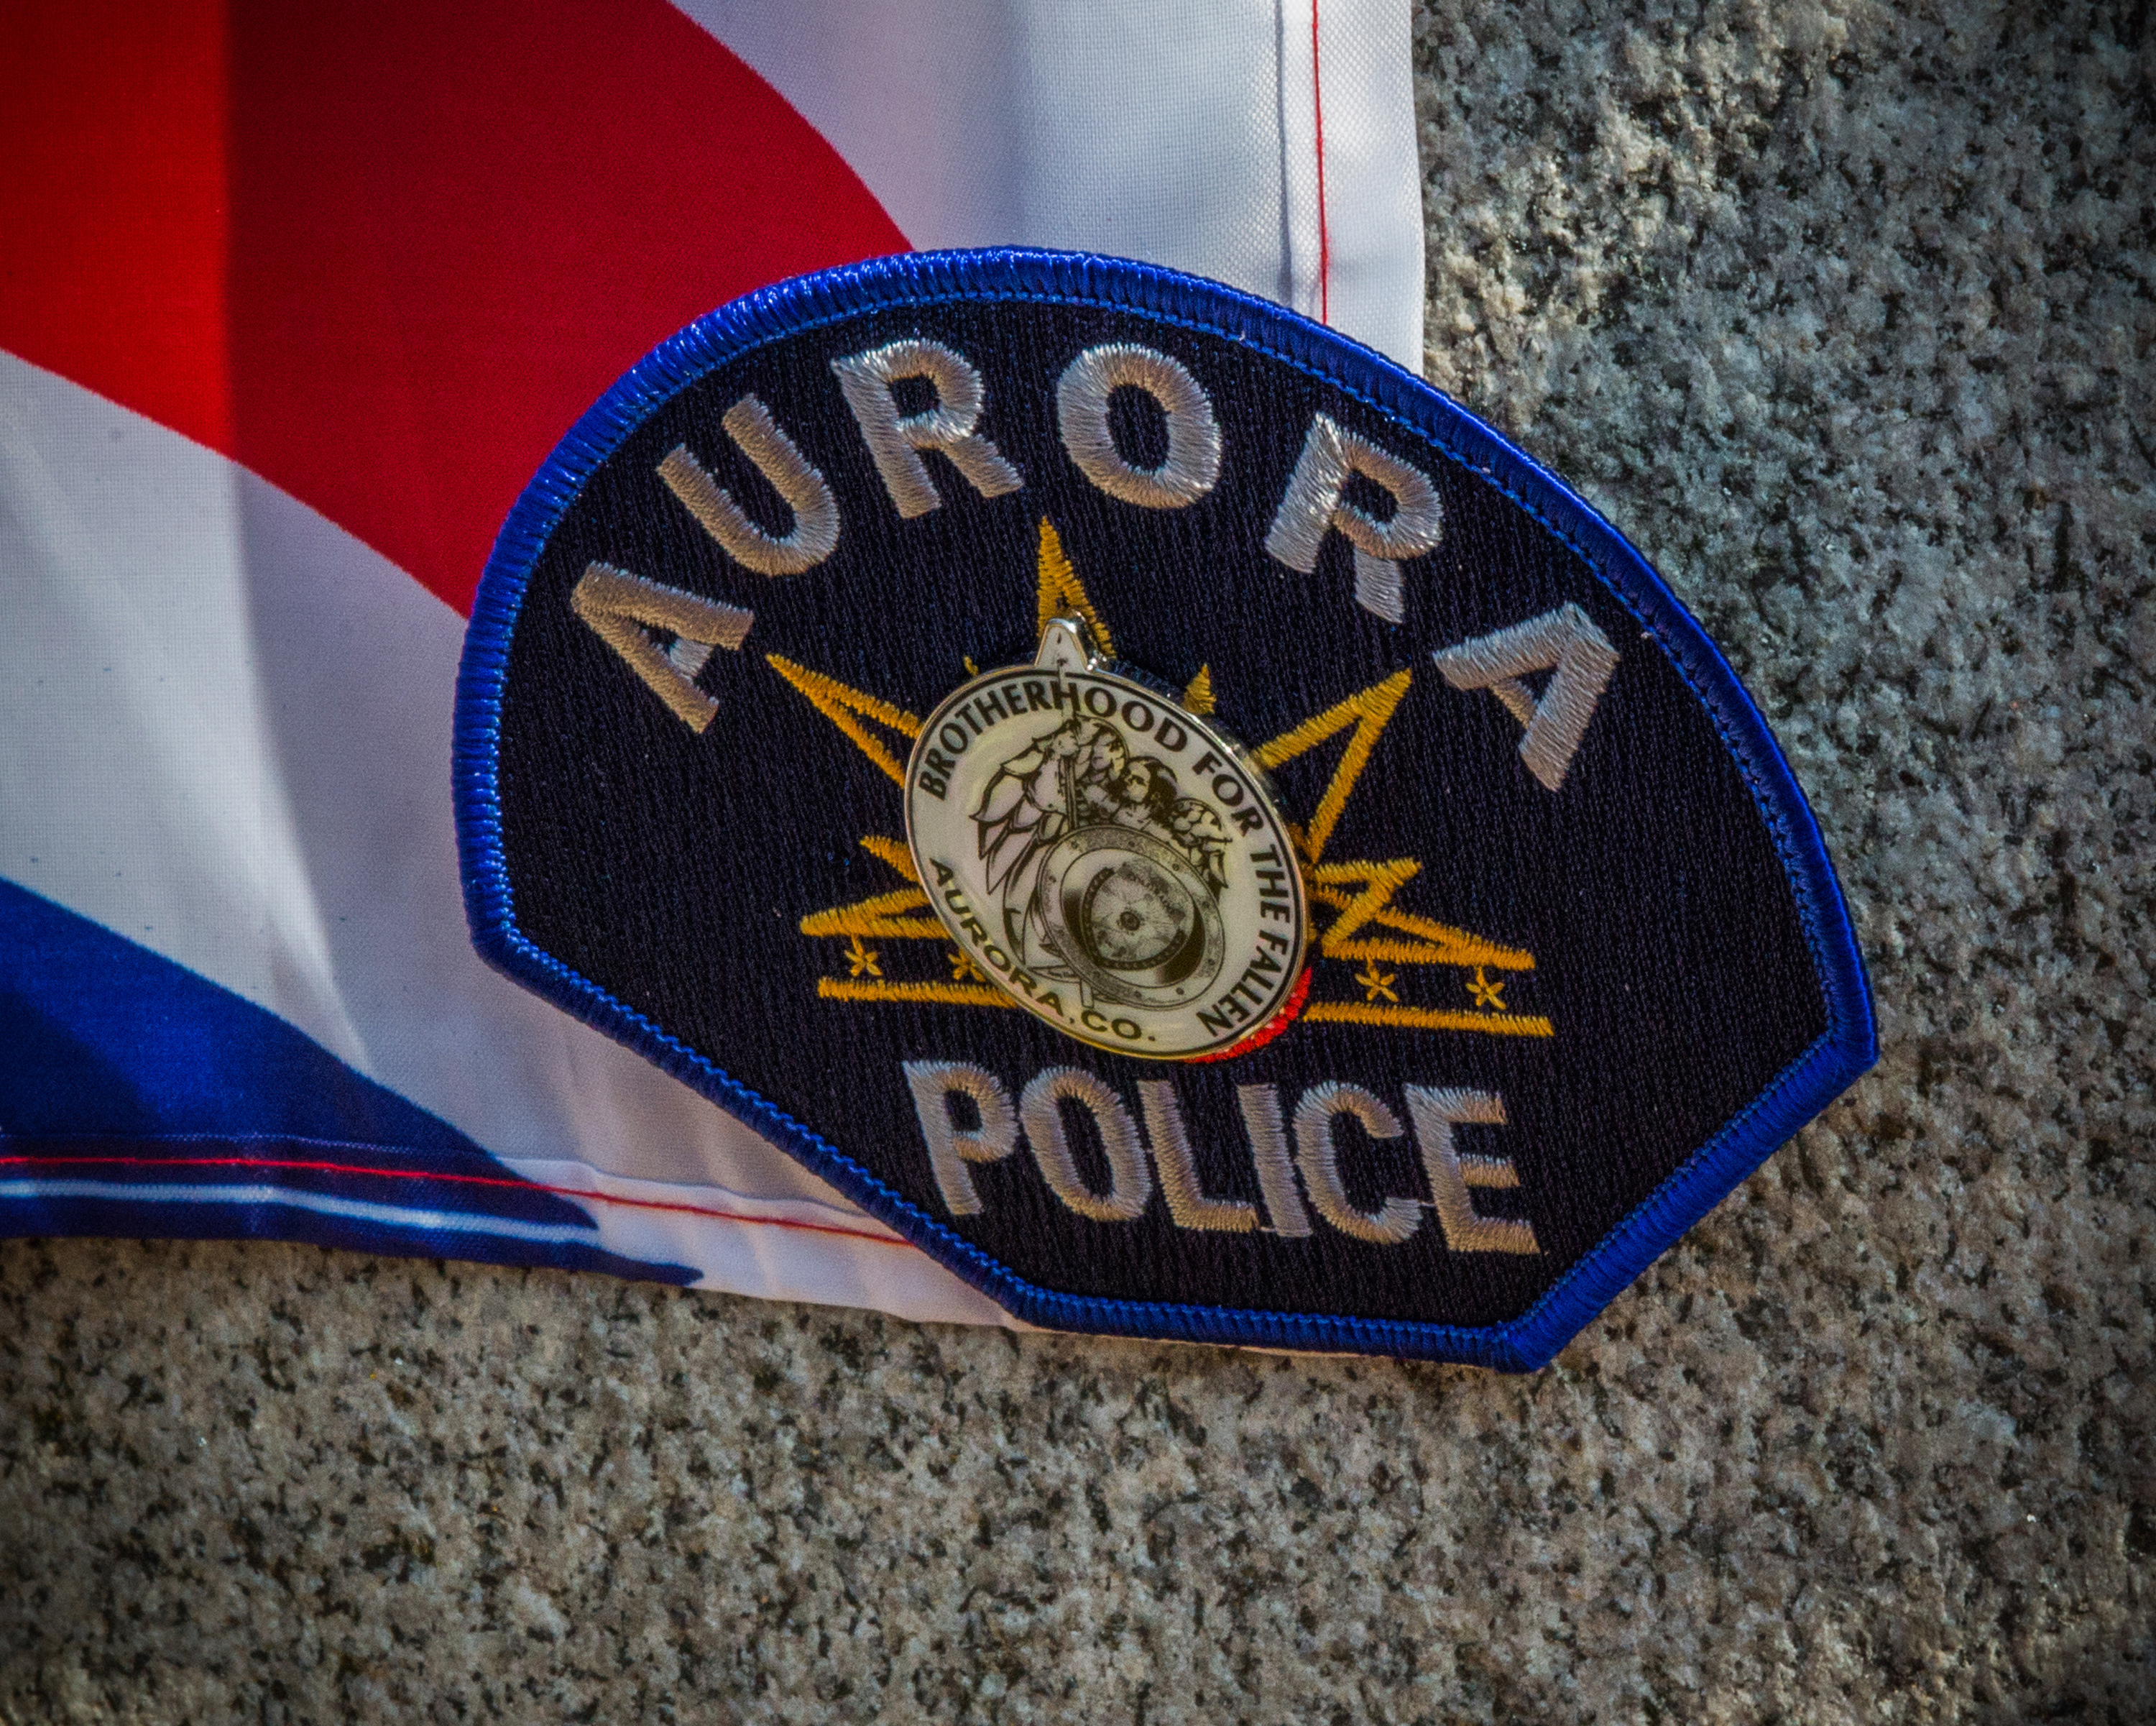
<point>1844,313</point>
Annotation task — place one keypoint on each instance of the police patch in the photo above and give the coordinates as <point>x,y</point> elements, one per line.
<point>1152,802</point>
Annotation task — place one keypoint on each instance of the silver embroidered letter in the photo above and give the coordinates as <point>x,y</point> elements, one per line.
<point>1187,1201</point>
<point>1315,504</point>
<point>950,1147</point>
<point>1261,1119</point>
<point>757,435</point>
<point>622,609</point>
<point>895,440</point>
<point>1466,1230</point>
<point>1319,1156</point>
<point>1193,462</point>
<point>1130,1182</point>
<point>1564,643</point>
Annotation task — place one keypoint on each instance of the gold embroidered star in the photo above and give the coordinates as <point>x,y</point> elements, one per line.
<point>1487,994</point>
<point>1376,983</point>
<point>860,958</point>
<point>962,967</point>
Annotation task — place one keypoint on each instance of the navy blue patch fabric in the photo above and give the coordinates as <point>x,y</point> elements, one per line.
<point>1650,964</point>
<point>139,1099</point>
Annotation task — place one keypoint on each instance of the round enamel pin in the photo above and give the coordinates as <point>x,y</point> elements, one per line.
<point>1105,855</point>
<point>1153,802</point>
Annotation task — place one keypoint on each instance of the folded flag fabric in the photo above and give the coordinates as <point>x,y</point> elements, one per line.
<point>297,301</point>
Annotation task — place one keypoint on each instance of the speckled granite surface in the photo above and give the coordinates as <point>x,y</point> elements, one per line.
<point>1845,314</point>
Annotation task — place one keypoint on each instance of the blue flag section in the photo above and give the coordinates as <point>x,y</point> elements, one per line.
<point>138,1100</point>
<point>1281,717</point>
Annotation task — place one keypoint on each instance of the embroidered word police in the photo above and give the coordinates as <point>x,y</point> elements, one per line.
<point>940,1088</point>
<point>1105,855</point>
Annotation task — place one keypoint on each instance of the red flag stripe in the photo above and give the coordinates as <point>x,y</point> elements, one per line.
<point>384,256</point>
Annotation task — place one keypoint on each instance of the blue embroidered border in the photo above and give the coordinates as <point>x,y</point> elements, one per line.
<point>1815,1079</point>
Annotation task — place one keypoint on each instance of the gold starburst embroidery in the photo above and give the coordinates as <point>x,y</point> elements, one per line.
<point>1366,923</point>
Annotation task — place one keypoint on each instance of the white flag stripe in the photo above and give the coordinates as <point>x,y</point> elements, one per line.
<point>795,1252</point>
<point>396,1216</point>
<point>1181,132</point>
<point>812,1252</point>
<point>1373,176</point>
